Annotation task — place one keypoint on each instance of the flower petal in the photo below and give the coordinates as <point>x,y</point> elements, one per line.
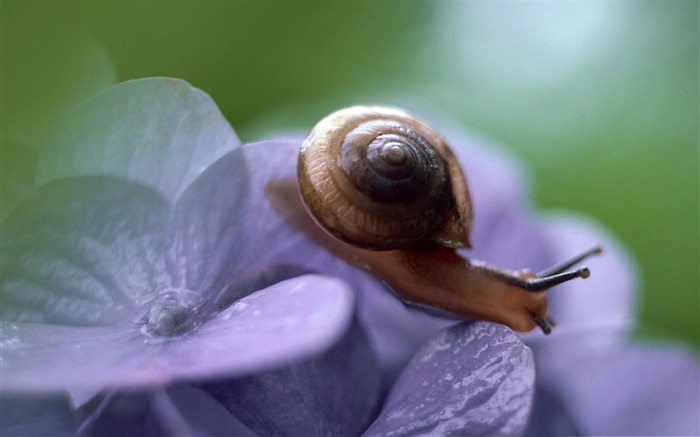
<point>43,357</point>
<point>615,388</point>
<point>238,218</point>
<point>83,251</point>
<point>471,379</point>
<point>335,393</point>
<point>209,231</point>
<point>160,132</point>
<point>608,297</point>
<point>286,322</point>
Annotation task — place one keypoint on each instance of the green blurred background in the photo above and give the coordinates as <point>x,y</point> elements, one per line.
<point>599,98</point>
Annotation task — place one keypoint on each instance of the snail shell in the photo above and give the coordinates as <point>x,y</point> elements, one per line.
<point>378,178</point>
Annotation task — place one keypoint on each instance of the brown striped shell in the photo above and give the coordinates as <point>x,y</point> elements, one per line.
<point>378,178</point>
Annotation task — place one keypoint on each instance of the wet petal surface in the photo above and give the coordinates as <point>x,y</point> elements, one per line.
<point>470,379</point>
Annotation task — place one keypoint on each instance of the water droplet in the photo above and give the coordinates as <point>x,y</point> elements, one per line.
<point>168,318</point>
<point>239,306</point>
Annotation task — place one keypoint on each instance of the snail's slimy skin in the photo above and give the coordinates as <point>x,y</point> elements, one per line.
<point>392,200</point>
<point>439,277</point>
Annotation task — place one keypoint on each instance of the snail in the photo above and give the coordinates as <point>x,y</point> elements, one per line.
<point>387,186</point>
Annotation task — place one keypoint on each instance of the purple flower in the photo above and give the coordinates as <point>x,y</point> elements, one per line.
<point>154,283</point>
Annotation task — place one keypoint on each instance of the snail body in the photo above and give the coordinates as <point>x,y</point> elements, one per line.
<point>381,179</point>
<point>390,191</point>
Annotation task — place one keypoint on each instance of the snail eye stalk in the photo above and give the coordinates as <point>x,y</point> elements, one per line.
<point>542,283</point>
<point>561,267</point>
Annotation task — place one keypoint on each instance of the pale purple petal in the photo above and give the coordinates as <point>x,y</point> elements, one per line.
<point>618,388</point>
<point>210,239</point>
<point>83,251</point>
<point>157,131</point>
<point>286,322</point>
<point>334,393</point>
<point>475,378</point>
<point>607,297</point>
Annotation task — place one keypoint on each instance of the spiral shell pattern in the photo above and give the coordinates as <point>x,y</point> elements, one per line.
<point>379,178</point>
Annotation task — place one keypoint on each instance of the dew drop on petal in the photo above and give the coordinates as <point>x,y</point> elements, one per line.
<point>168,318</point>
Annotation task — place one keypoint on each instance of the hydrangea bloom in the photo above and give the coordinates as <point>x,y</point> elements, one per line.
<point>154,283</point>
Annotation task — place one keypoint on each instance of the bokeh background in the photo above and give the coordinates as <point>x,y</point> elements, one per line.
<point>598,98</point>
